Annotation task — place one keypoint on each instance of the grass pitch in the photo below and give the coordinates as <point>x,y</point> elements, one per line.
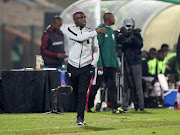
<point>153,122</point>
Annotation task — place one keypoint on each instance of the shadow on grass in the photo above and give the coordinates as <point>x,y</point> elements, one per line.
<point>97,128</point>
<point>141,112</point>
<point>132,112</point>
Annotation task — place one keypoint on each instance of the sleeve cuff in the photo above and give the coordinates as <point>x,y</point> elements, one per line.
<point>93,33</point>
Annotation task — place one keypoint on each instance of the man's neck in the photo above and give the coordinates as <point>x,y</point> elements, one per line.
<point>107,24</point>
<point>80,27</point>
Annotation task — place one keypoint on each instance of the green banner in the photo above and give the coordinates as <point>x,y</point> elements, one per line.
<point>172,1</point>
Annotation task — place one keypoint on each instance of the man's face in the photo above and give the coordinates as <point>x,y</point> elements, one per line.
<point>166,50</point>
<point>56,25</point>
<point>152,54</point>
<point>111,19</point>
<point>161,56</point>
<point>80,20</point>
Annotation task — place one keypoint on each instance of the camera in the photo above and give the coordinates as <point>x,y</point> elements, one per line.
<point>124,35</point>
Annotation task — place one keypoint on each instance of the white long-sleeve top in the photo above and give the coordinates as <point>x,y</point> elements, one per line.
<point>82,44</point>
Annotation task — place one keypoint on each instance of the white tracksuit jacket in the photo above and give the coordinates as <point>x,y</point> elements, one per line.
<point>82,43</point>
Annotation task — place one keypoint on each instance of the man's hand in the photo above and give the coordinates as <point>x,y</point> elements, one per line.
<point>101,31</point>
<point>100,68</point>
<point>61,55</point>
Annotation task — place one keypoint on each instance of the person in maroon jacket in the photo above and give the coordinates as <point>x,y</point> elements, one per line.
<point>52,45</point>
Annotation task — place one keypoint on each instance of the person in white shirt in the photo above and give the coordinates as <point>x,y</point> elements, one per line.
<point>83,57</point>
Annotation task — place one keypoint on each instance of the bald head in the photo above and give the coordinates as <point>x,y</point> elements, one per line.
<point>56,23</point>
<point>57,19</point>
<point>79,19</point>
<point>109,19</point>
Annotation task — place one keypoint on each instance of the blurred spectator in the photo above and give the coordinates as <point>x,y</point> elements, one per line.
<point>152,53</point>
<point>149,65</point>
<point>161,66</point>
<point>148,71</point>
<point>159,69</point>
<point>178,49</point>
<point>165,48</point>
<point>17,53</point>
<point>172,82</point>
<point>168,54</point>
<point>155,67</point>
<point>155,92</point>
<point>144,55</point>
<point>173,66</point>
<point>52,45</point>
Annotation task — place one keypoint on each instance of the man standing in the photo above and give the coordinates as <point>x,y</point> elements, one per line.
<point>108,63</point>
<point>132,53</point>
<point>82,43</point>
<point>52,45</point>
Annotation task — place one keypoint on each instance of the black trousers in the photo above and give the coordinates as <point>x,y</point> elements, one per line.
<point>80,80</point>
<point>109,76</point>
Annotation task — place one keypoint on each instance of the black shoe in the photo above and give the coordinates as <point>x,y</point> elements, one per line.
<point>80,121</point>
